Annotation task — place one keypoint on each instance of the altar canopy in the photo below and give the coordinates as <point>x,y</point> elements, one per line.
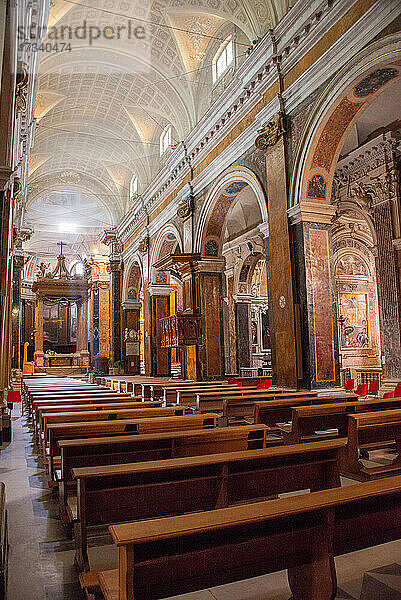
<point>52,289</point>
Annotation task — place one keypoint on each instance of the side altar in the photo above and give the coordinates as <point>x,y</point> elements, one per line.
<point>55,287</point>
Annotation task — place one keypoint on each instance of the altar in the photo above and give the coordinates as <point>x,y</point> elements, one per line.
<point>60,289</point>
<point>62,360</point>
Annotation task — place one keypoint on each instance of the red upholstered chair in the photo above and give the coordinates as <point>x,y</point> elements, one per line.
<point>349,385</point>
<point>374,387</point>
<point>397,391</point>
<point>261,386</point>
<point>362,390</point>
<point>268,383</point>
<point>389,395</point>
<point>240,384</point>
<point>14,396</point>
<point>230,380</point>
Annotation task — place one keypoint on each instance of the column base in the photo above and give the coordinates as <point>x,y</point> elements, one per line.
<point>39,358</point>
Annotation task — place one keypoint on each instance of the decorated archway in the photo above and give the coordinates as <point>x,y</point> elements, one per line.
<point>347,164</point>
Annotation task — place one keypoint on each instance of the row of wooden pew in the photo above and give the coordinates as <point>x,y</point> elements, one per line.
<point>132,466</point>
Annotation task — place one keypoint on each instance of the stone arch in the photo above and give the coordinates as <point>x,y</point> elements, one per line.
<point>134,264</point>
<point>219,201</point>
<point>166,242</point>
<point>341,104</point>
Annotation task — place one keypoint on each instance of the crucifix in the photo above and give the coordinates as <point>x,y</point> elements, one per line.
<point>61,247</point>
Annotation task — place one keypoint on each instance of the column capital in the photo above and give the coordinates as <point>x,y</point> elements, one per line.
<point>158,289</point>
<point>272,131</point>
<point>243,298</point>
<point>131,305</point>
<point>212,264</point>
<point>311,212</point>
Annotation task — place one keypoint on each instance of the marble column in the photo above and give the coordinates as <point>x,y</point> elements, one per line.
<point>18,265</point>
<point>159,308</point>
<point>115,309</point>
<point>244,341</point>
<point>272,141</point>
<point>388,290</point>
<point>82,331</point>
<point>39,354</point>
<point>315,295</point>
<point>209,289</point>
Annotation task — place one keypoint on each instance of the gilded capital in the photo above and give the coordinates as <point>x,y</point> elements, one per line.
<point>22,82</point>
<point>144,245</point>
<point>186,207</point>
<point>271,133</point>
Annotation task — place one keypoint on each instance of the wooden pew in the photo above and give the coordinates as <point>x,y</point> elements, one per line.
<point>242,407</point>
<point>55,408</point>
<point>68,431</point>
<point>194,398</point>
<point>4,545</point>
<point>109,415</point>
<point>271,412</point>
<point>241,404</point>
<point>369,431</point>
<point>37,404</point>
<point>134,448</point>
<point>116,493</point>
<point>169,390</point>
<point>175,555</point>
<point>308,420</point>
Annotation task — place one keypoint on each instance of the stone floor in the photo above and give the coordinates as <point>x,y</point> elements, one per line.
<point>41,557</point>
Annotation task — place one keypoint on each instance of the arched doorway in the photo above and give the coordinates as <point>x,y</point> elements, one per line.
<point>133,321</point>
<point>235,228</point>
<point>164,299</point>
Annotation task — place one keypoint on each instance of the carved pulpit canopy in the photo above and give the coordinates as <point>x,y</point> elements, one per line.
<point>180,263</point>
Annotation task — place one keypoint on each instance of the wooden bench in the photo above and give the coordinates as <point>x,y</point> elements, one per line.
<point>193,398</point>
<point>370,431</point>
<point>79,407</point>
<point>175,555</point>
<point>326,420</point>
<point>271,412</point>
<point>116,493</point>
<point>4,545</point>
<point>109,415</point>
<point>132,448</point>
<point>37,404</point>
<point>170,390</point>
<point>236,407</point>
<point>65,431</point>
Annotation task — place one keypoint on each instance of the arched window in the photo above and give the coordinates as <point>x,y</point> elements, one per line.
<point>134,186</point>
<point>223,59</point>
<point>165,140</point>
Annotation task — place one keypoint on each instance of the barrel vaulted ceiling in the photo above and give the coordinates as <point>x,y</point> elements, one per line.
<point>102,106</point>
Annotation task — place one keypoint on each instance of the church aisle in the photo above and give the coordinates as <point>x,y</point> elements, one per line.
<point>41,557</point>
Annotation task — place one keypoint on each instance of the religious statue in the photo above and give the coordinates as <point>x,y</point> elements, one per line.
<point>270,133</point>
<point>42,269</point>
